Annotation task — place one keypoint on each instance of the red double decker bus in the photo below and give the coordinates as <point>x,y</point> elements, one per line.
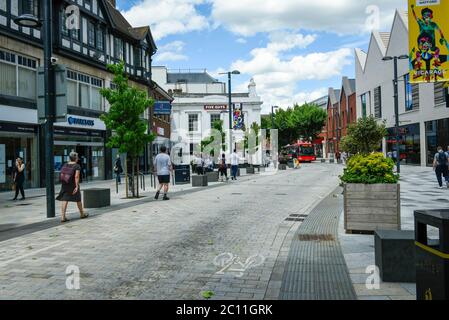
<point>303,151</point>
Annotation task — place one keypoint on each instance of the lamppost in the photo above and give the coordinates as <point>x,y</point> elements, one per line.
<point>396,105</point>
<point>31,21</point>
<point>230,73</point>
<point>272,115</point>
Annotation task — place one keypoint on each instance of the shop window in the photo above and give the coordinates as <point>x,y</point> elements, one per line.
<point>17,75</point>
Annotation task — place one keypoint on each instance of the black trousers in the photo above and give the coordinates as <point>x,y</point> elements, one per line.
<point>442,171</point>
<point>19,187</point>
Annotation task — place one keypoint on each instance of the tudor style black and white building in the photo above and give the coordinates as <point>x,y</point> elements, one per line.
<point>87,35</point>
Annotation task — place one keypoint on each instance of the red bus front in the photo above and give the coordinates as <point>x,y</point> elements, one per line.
<point>306,152</point>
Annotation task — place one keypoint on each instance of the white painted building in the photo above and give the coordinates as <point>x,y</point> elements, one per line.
<point>200,100</point>
<point>423,116</point>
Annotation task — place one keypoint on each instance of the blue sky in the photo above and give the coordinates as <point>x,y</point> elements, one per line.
<point>294,49</point>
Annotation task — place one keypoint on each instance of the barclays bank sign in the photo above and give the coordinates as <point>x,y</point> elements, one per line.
<point>80,122</point>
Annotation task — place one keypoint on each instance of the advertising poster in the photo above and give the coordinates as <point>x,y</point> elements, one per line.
<point>429,47</point>
<point>238,118</point>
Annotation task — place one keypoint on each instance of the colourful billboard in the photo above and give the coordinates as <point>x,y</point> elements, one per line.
<point>429,49</point>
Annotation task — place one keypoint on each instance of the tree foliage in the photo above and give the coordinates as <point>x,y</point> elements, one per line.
<point>364,136</point>
<point>127,105</point>
<point>216,142</point>
<point>369,169</point>
<point>300,122</point>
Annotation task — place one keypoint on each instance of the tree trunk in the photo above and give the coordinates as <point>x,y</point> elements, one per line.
<point>137,184</point>
<point>126,176</point>
<point>132,177</point>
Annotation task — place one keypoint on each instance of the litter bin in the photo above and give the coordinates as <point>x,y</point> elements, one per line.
<point>432,257</point>
<point>182,174</point>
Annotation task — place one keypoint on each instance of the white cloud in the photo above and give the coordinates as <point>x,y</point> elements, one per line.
<point>248,17</point>
<point>171,52</point>
<point>277,77</point>
<point>167,17</point>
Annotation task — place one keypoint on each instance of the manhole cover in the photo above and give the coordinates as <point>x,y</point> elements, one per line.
<point>316,237</point>
<point>281,194</point>
<point>236,194</point>
<point>295,219</point>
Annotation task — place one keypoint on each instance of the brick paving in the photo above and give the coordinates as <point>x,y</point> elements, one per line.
<point>166,250</point>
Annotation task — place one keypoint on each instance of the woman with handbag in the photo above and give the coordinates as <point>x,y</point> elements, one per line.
<point>19,178</point>
<point>70,187</point>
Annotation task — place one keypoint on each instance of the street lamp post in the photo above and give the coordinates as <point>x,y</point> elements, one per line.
<point>31,21</point>
<point>396,105</point>
<point>230,73</point>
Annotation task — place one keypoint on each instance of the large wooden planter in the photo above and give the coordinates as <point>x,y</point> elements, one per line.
<point>372,207</point>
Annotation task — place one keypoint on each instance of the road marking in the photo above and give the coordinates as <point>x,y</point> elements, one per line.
<point>2,264</point>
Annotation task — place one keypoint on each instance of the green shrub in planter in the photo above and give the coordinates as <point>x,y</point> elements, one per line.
<point>370,169</point>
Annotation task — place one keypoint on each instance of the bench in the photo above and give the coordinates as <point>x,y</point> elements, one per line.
<point>199,181</point>
<point>395,255</point>
<point>97,198</point>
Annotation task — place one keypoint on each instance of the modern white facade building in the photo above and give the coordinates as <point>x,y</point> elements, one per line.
<point>423,116</point>
<point>199,101</point>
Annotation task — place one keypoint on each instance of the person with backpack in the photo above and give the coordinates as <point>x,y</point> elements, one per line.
<point>70,188</point>
<point>440,165</point>
<point>223,168</point>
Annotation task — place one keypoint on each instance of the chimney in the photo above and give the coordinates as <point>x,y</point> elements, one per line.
<point>113,3</point>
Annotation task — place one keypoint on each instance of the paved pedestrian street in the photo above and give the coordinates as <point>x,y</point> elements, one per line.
<point>231,241</point>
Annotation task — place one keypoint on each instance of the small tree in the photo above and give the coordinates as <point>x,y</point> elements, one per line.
<point>124,119</point>
<point>364,137</point>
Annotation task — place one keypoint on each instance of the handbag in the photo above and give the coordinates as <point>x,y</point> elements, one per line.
<point>13,186</point>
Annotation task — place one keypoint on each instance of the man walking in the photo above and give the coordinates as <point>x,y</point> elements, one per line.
<point>234,164</point>
<point>440,165</point>
<point>163,168</point>
<point>199,165</point>
<point>118,169</point>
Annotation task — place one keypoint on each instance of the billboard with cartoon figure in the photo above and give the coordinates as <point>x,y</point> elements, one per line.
<point>429,49</point>
<point>239,120</point>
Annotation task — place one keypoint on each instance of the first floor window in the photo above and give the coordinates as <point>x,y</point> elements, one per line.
<point>214,118</point>
<point>193,123</point>
<point>84,91</point>
<point>18,75</point>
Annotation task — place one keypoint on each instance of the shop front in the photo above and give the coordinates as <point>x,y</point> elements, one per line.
<point>18,140</point>
<point>410,144</point>
<point>87,137</point>
<point>437,134</point>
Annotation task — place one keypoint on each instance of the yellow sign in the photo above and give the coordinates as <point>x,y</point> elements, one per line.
<point>429,49</point>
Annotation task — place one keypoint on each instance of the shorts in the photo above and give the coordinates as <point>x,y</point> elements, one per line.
<point>164,179</point>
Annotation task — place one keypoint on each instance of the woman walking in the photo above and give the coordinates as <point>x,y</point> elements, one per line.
<point>19,178</point>
<point>223,168</point>
<point>70,188</point>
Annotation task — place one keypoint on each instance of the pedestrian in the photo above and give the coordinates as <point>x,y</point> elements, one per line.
<point>344,157</point>
<point>118,169</point>
<point>440,165</point>
<point>70,186</point>
<point>19,178</point>
<point>234,164</point>
<point>207,164</point>
<point>163,168</point>
<point>223,168</point>
<point>199,165</point>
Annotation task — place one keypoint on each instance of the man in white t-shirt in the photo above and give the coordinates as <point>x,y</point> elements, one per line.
<point>234,164</point>
<point>163,167</point>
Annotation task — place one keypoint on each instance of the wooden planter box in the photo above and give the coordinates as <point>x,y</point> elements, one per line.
<point>199,181</point>
<point>372,207</point>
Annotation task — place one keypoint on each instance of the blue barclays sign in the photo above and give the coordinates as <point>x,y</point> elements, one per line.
<point>80,122</point>
<point>162,108</point>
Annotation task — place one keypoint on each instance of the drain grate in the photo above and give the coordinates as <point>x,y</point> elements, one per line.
<point>281,194</point>
<point>316,237</point>
<point>295,219</point>
<point>24,204</point>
